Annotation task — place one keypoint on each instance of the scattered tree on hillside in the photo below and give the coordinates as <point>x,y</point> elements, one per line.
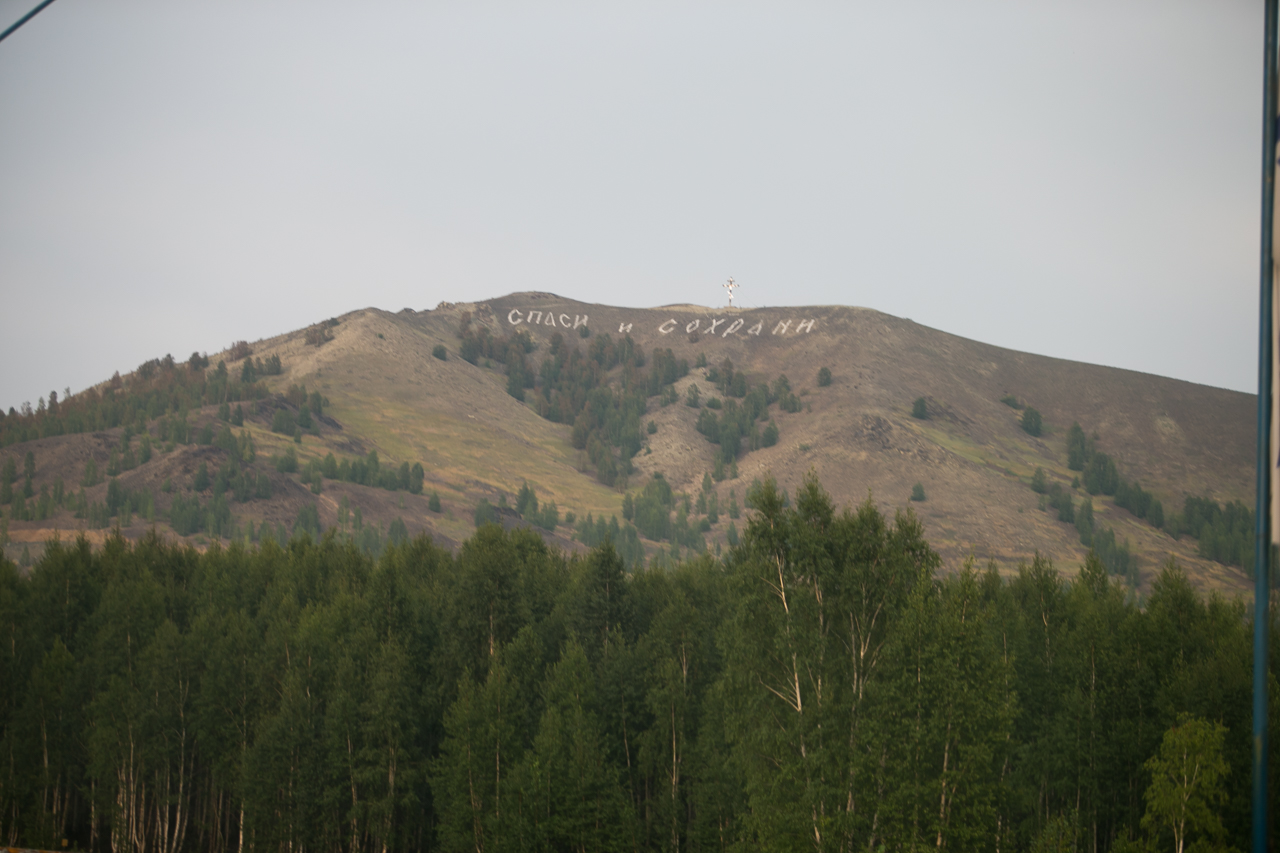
<point>1031,422</point>
<point>920,409</point>
<point>485,513</point>
<point>769,437</point>
<point>1077,448</point>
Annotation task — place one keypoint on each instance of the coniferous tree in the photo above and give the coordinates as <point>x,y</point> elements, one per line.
<point>1077,448</point>
<point>526,501</point>
<point>1084,522</point>
<point>485,513</point>
<point>1031,423</point>
<point>308,522</point>
<point>770,435</point>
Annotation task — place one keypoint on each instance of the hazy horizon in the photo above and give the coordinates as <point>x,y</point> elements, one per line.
<point>1074,180</point>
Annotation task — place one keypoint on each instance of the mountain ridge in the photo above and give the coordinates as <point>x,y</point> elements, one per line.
<point>388,392</point>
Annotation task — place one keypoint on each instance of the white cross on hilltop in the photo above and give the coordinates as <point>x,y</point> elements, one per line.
<point>730,286</point>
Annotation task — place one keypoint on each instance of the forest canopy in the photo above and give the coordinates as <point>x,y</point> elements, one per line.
<point>822,686</point>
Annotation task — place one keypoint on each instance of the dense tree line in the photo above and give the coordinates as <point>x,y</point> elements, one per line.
<point>573,387</point>
<point>1224,532</point>
<point>820,688</point>
<point>158,387</point>
<point>603,389</point>
<point>364,471</point>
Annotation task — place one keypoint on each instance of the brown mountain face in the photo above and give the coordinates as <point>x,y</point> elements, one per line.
<point>387,392</point>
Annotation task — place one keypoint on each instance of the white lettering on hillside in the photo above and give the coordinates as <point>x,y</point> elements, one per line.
<point>724,325</point>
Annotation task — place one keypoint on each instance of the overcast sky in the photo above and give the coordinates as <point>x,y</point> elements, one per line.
<point>1079,179</point>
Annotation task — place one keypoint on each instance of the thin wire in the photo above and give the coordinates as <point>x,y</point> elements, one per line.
<point>36,11</point>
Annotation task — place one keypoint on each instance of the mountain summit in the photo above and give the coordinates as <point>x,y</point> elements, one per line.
<point>656,423</point>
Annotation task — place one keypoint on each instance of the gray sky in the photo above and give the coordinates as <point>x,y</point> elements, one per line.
<point>1078,179</point>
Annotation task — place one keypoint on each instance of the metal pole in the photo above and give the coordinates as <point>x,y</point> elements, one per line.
<point>1266,460</point>
<point>36,11</point>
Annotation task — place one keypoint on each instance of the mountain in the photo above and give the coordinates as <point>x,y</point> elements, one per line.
<point>387,392</point>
